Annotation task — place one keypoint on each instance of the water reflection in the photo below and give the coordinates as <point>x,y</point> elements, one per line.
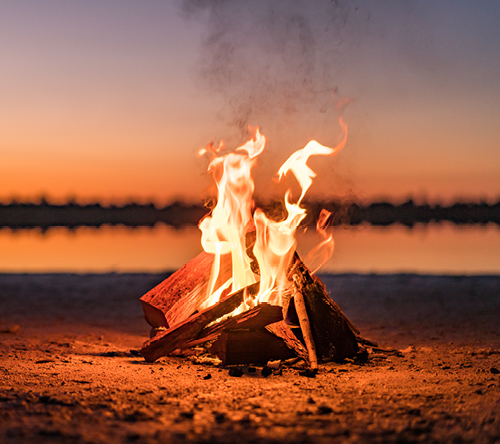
<point>438,248</point>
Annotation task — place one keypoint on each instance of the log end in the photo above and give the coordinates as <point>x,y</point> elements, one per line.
<point>153,315</point>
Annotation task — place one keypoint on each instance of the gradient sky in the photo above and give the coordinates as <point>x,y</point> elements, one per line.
<point>113,99</point>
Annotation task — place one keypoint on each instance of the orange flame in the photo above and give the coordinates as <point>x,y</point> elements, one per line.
<point>225,229</point>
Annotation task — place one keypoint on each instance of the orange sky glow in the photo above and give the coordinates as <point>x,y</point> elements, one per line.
<point>106,101</point>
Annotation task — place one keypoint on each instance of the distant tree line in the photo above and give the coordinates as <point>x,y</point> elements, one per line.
<point>409,213</point>
<point>72,215</point>
<point>178,214</point>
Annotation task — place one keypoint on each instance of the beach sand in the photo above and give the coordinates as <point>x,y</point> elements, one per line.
<point>67,374</point>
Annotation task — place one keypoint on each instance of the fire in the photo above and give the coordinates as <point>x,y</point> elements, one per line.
<point>230,225</point>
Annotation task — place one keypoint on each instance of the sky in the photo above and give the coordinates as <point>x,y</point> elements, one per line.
<point>112,100</point>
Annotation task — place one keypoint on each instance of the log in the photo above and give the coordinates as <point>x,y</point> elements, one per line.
<point>253,319</point>
<point>334,335</point>
<point>305,326</point>
<point>283,331</point>
<point>180,295</point>
<point>238,347</point>
<point>178,335</point>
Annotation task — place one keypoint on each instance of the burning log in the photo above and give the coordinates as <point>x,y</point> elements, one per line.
<point>179,296</point>
<point>333,334</point>
<point>256,318</point>
<point>180,334</point>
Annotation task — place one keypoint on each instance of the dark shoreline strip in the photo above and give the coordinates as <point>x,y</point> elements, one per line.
<point>45,215</point>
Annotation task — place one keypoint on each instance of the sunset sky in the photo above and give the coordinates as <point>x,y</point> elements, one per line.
<point>112,100</point>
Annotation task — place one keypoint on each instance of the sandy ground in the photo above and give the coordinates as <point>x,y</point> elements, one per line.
<point>67,374</point>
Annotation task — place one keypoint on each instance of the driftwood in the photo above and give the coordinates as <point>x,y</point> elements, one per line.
<point>179,296</point>
<point>250,347</point>
<point>333,334</point>
<point>179,335</point>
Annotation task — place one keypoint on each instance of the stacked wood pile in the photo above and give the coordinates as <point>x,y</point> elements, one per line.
<point>309,326</point>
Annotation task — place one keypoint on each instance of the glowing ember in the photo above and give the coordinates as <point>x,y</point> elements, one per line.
<point>226,229</point>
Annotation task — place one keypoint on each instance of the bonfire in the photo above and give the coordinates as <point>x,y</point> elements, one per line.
<point>248,297</point>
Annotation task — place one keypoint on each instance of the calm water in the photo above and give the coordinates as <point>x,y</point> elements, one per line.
<point>443,249</point>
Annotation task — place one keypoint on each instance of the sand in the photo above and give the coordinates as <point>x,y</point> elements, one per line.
<point>67,373</point>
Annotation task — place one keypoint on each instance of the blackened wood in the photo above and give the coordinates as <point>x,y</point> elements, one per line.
<point>238,347</point>
<point>180,295</point>
<point>334,335</point>
<point>285,333</point>
<point>178,335</point>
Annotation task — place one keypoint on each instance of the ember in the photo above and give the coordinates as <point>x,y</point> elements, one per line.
<point>249,297</point>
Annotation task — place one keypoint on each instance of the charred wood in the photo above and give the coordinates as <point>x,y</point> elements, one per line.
<point>178,335</point>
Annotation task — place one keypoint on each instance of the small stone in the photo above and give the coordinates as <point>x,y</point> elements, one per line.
<point>266,371</point>
<point>275,365</point>
<point>362,356</point>
<point>219,417</point>
<point>309,372</point>
<point>324,410</point>
<point>236,372</point>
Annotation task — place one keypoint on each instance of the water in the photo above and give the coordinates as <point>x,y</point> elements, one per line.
<point>435,249</point>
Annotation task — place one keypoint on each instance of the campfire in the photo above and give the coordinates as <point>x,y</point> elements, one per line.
<point>248,298</point>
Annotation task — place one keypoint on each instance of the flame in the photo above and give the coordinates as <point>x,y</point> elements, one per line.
<point>225,229</point>
<point>322,252</point>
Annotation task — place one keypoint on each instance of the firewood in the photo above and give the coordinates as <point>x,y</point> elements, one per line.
<point>178,335</point>
<point>234,346</point>
<point>179,296</point>
<point>333,334</point>
<point>305,326</point>
<point>283,331</point>
<point>237,347</point>
<point>253,319</point>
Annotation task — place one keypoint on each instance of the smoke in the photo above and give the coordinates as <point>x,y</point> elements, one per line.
<point>271,60</point>
<point>286,65</point>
